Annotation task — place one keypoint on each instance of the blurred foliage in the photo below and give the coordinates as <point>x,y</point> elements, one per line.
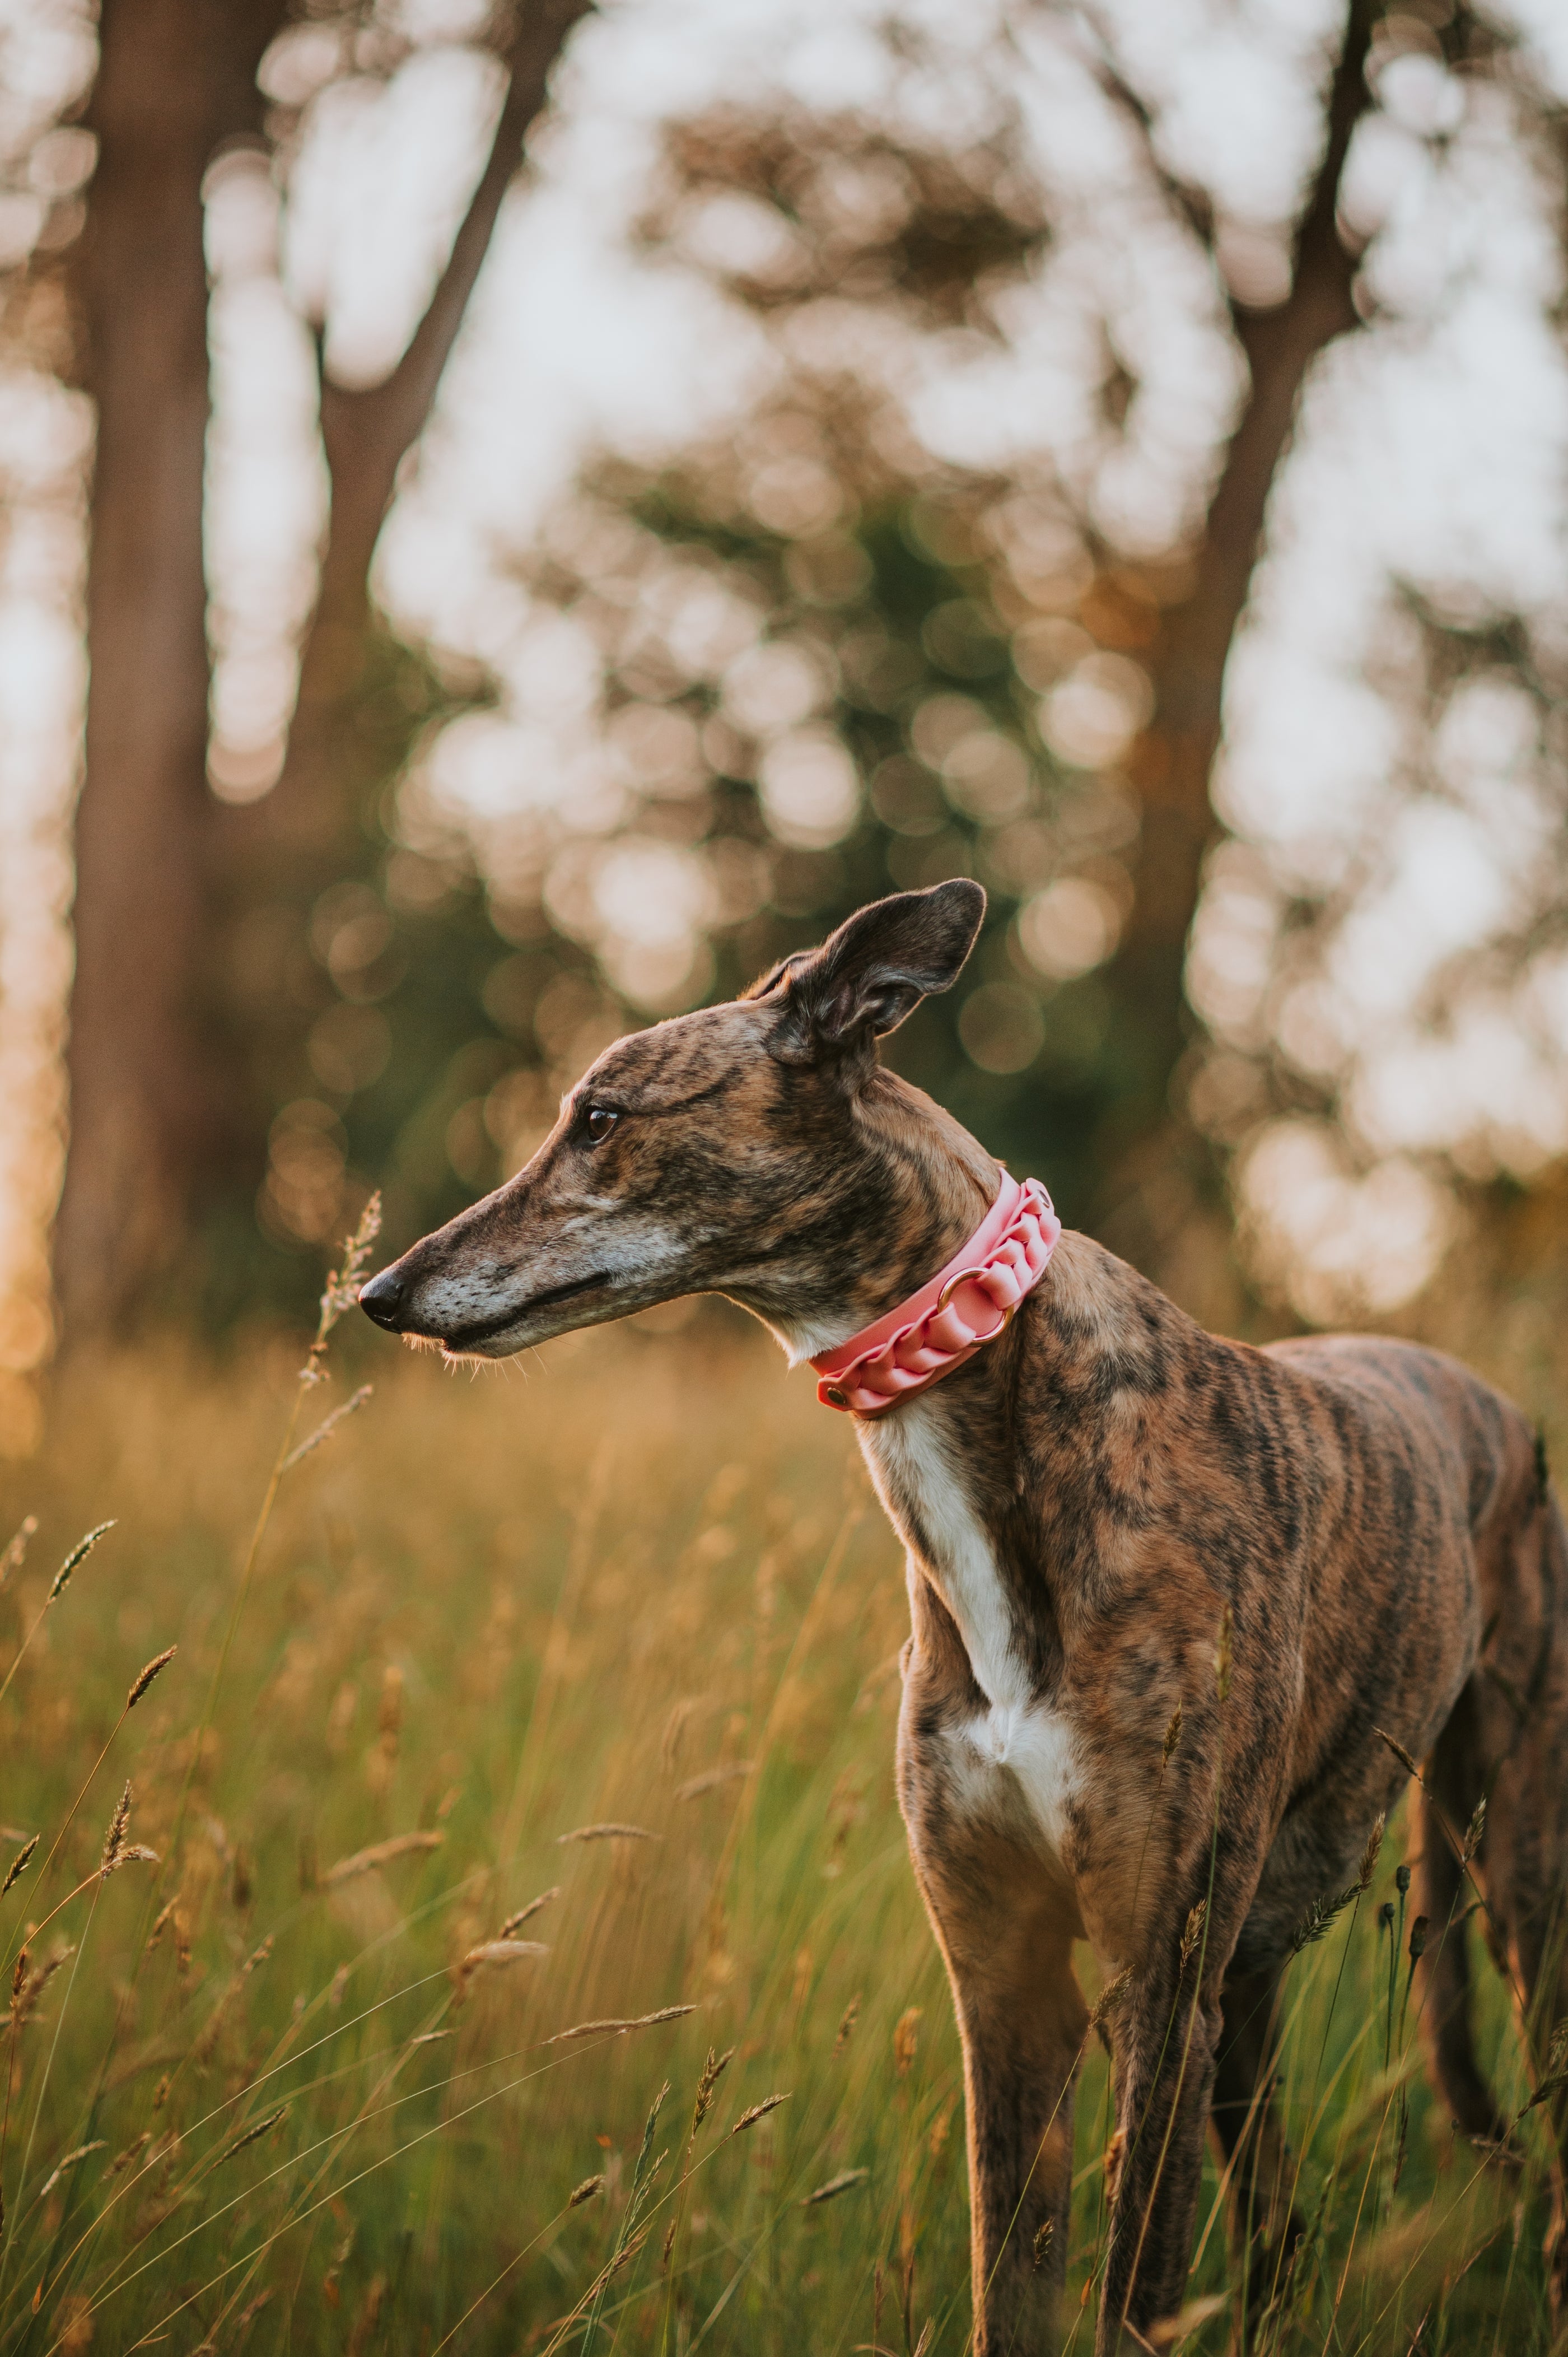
<point>821,667</point>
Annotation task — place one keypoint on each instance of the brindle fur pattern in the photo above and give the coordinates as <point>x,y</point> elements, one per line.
<point>1079,1505</point>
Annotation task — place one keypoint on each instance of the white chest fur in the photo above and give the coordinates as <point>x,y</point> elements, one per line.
<point>1017,1751</point>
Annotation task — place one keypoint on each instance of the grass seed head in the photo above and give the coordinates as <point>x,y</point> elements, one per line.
<point>905,2039</point>
<point>1407,1760</point>
<point>1105,2004</point>
<point>515,1922</point>
<point>1418,1932</point>
<point>114,1839</point>
<point>586,2191</point>
<point>76,1558</point>
<point>500,1952</point>
<point>1224,1654</point>
<point>343,1285</point>
<point>759,2112</point>
<point>252,2135</point>
<point>617,2025</point>
<point>20,1863</point>
<point>1173,1736</point>
<point>847,2020</point>
<point>327,1427</point>
<point>1116,2160</point>
<point>845,2182</point>
<point>1192,1930</point>
<point>380,1854</point>
<point>1476,1831</point>
<point>1368,1865</point>
<point>1042,2244</point>
<point>144,1678</point>
<point>16,1553</point>
<point>714,2069</point>
<point>611,1831</point>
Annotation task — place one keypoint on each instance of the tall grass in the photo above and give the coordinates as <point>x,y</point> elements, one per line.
<point>560,1701</point>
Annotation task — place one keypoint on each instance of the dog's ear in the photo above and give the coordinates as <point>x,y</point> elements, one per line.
<point>872,972</point>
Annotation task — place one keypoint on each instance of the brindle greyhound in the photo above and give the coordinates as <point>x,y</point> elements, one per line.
<point>1098,1508</point>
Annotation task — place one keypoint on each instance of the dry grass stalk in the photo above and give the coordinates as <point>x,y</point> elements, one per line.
<point>20,1863</point>
<point>515,1922</point>
<point>28,1989</point>
<point>616,2027</point>
<point>759,2112</point>
<point>249,2314</point>
<point>69,2161</point>
<point>502,1951</point>
<point>252,2135</point>
<point>368,2317</point>
<point>845,2182</point>
<point>1172,2330</point>
<point>382,1853</point>
<point>327,1427</point>
<point>16,1553</point>
<point>608,1831</point>
<point>905,2039</point>
<point>711,1779</point>
<point>122,2160</point>
<point>144,1678</point>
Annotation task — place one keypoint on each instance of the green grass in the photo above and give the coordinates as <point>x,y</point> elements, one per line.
<point>634,1584</point>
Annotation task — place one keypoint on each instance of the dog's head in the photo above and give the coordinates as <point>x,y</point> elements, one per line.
<point>757,1149</point>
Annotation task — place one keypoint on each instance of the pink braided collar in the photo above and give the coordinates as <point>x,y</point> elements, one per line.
<point>966,1304</point>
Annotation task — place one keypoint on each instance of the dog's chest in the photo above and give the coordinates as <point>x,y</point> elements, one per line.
<point>1017,1752</point>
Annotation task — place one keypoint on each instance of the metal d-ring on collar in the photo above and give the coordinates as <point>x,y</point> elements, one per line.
<point>962,1276</point>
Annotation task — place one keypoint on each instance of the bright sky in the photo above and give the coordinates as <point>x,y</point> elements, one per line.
<point>1432,450</point>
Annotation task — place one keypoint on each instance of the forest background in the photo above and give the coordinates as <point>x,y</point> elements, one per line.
<point>510,518</point>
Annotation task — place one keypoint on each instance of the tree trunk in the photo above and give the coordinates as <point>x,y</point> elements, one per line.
<point>163,1114</point>
<point>147,1097</point>
<point>1173,760</point>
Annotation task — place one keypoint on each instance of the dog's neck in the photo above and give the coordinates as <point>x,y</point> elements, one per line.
<point>922,1187</point>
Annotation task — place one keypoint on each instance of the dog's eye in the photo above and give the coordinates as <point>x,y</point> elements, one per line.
<point>599,1122</point>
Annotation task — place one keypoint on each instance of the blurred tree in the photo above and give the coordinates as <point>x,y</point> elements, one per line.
<point>149,1104</point>
<point>835,665</point>
<point>780,671</point>
<point>164,1122</point>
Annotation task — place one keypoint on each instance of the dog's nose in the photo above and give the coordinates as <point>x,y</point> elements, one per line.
<point>382,1299</point>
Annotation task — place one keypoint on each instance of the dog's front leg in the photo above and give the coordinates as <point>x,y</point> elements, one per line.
<point>1166,2041</point>
<point>1005,1927</point>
